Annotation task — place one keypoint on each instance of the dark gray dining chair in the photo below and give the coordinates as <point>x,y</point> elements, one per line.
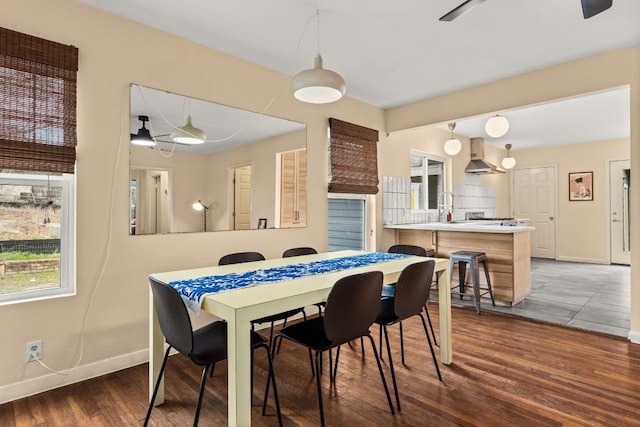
<point>205,346</point>
<point>412,292</point>
<point>242,257</point>
<point>351,309</point>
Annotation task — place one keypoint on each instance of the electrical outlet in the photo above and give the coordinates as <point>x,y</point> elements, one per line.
<point>34,350</point>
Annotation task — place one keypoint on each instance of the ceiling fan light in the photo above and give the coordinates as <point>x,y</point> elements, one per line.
<point>188,134</point>
<point>452,146</point>
<point>143,137</point>
<point>317,85</point>
<point>497,126</point>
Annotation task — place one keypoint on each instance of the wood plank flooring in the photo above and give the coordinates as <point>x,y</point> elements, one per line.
<point>507,371</point>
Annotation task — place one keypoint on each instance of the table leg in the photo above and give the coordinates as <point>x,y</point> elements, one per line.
<point>156,352</point>
<point>239,372</point>
<point>444,310</point>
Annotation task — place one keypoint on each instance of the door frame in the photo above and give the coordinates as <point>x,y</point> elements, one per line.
<point>608,200</point>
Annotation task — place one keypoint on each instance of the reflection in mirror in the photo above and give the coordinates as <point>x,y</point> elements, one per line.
<point>243,166</point>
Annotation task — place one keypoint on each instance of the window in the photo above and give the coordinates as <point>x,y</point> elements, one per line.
<point>348,219</point>
<point>36,236</point>
<point>427,181</point>
<point>37,159</point>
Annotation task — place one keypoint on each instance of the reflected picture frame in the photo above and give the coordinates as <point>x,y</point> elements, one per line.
<point>262,223</point>
<point>580,186</point>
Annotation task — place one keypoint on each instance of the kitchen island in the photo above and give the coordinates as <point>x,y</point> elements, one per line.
<point>507,248</point>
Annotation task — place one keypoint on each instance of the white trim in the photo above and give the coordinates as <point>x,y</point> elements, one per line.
<point>67,238</point>
<point>52,381</point>
<point>634,337</point>
<point>585,260</point>
<point>369,205</point>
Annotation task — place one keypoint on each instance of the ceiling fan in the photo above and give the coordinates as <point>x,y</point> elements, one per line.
<point>589,8</point>
<point>144,139</point>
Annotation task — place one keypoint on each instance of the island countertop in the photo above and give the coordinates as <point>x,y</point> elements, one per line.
<point>507,249</point>
<point>465,226</point>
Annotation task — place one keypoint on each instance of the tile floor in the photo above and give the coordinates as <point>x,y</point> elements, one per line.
<point>587,296</point>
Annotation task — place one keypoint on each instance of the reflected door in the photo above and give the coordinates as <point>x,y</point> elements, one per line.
<point>242,198</point>
<point>619,182</point>
<point>534,198</point>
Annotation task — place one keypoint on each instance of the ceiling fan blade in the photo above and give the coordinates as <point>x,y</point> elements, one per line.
<point>460,10</point>
<point>593,7</point>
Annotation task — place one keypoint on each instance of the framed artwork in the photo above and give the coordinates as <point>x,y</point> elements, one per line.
<point>262,223</point>
<point>580,186</point>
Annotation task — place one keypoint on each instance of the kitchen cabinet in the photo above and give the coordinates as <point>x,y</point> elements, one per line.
<point>507,248</point>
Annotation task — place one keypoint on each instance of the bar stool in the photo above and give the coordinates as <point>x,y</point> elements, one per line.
<point>473,259</point>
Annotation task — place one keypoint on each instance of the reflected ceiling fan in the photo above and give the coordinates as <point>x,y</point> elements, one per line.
<point>144,139</point>
<point>589,8</point>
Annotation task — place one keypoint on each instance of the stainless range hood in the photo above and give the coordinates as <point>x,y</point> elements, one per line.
<point>478,164</point>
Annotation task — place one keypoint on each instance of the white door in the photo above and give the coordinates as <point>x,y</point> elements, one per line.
<point>619,180</point>
<point>242,196</point>
<point>534,198</point>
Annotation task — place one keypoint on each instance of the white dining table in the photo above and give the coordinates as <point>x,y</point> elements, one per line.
<point>239,306</point>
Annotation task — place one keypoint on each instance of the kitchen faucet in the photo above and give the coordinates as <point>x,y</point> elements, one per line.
<point>443,206</point>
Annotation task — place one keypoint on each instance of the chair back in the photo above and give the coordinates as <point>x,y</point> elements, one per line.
<point>412,289</point>
<point>408,250</point>
<point>173,317</point>
<point>298,251</point>
<point>352,306</point>
<point>240,257</point>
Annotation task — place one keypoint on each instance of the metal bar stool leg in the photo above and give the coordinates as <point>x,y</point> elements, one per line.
<point>475,283</point>
<point>486,275</point>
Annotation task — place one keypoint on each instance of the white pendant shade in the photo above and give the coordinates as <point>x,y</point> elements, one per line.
<point>317,85</point>
<point>188,134</point>
<point>452,146</point>
<point>497,126</point>
<point>508,162</point>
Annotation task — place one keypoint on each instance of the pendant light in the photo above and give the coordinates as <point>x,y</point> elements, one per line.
<point>317,85</point>
<point>143,137</point>
<point>188,134</point>
<point>452,146</point>
<point>508,162</point>
<point>497,126</point>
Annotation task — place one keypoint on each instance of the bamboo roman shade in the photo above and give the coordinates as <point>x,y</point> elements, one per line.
<point>353,158</point>
<point>37,104</point>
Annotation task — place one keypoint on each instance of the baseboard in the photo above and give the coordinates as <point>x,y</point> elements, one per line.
<point>634,337</point>
<point>52,381</point>
<point>585,260</point>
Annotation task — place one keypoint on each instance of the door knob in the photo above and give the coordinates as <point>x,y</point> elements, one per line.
<point>550,218</point>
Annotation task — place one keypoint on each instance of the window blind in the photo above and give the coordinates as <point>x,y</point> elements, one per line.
<point>37,104</point>
<point>353,158</point>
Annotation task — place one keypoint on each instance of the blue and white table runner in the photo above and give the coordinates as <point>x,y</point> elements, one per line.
<point>194,290</point>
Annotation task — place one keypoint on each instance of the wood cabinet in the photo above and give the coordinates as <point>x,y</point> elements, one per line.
<point>293,189</point>
<point>508,256</point>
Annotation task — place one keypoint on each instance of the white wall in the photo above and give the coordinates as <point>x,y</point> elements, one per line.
<point>112,266</point>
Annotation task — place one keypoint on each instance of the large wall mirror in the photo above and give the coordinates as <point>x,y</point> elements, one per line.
<point>199,166</point>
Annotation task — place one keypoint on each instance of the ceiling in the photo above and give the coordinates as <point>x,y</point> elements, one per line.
<point>396,52</point>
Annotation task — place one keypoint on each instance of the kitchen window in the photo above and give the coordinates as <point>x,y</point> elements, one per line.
<point>427,181</point>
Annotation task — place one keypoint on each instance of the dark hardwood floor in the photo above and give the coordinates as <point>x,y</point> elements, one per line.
<point>507,371</point>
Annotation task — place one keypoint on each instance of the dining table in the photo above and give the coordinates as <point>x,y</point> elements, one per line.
<point>239,306</point>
